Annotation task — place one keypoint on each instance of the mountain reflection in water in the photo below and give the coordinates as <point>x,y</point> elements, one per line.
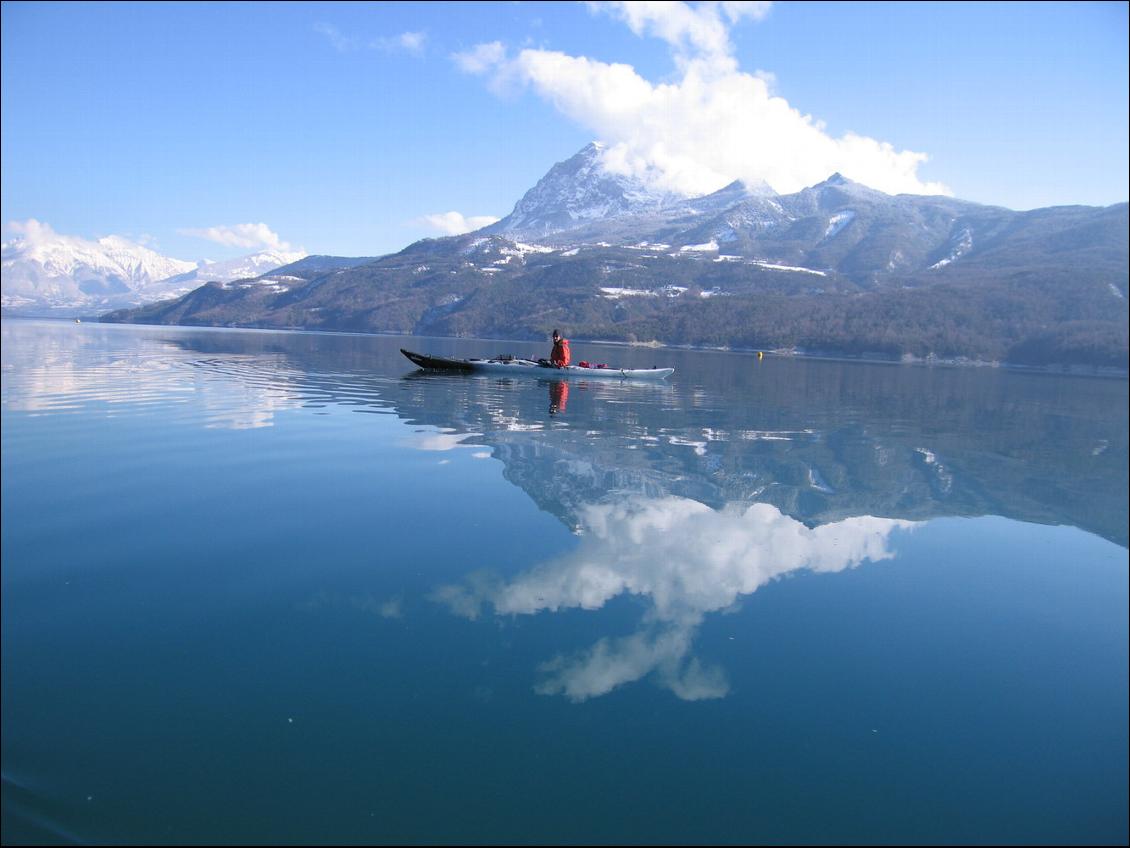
<point>820,441</point>
<point>288,579</point>
<point>690,493</point>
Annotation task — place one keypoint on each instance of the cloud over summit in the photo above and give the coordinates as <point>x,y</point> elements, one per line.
<point>250,236</point>
<point>455,223</point>
<point>712,124</point>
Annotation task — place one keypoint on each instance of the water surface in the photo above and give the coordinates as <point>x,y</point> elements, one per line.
<point>283,587</point>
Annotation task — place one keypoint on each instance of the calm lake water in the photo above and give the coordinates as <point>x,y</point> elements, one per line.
<point>282,587</point>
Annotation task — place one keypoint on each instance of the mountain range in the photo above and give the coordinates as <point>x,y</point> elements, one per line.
<point>48,273</point>
<point>836,268</point>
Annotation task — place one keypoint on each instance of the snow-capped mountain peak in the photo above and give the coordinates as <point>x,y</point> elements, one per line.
<point>580,190</point>
<point>731,195</point>
<point>141,263</point>
<point>240,268</point>
<point>51,272</point>
<point>110,256</point>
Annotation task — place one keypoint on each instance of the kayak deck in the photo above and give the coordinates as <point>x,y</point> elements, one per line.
<point>515,365</point>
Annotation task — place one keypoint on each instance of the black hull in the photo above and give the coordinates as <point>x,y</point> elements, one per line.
<point>436,363</point>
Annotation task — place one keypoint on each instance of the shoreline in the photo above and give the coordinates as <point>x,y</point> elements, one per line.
<point>879,359</point>
<point>1105,372</point>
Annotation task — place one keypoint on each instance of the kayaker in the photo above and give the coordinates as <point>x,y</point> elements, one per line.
<point>560,356</point>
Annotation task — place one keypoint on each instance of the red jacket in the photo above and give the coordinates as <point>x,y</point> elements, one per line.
<point>560,355</point>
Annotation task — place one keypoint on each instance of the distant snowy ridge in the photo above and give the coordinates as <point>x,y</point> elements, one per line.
<point>52,272</point>
<point>241,268</point>
<point>57,255</point>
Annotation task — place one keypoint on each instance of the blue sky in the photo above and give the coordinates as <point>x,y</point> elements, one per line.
<point>349,129</point>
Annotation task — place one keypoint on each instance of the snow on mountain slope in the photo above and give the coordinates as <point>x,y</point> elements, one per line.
<point>40,264</point>
<point>54,272</point>
<point>959,245</point>
<point>837,222</point>
<point>577,191</point>
<point>241,268</point>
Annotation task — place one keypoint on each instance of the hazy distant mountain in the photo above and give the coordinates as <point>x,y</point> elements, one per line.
<point>241,268</point>
<point>44,269</point>
<point>45,272</point>
<point>837,267</point>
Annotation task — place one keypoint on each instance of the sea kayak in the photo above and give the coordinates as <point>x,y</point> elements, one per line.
<point>513,365</point>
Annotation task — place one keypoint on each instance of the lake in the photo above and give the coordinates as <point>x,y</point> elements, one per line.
<point>284,588</point>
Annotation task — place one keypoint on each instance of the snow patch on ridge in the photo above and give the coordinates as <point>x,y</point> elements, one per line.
<point>774,267</point>
<point>708,247</point>
<point>962,244</point>
<point>837,222</point>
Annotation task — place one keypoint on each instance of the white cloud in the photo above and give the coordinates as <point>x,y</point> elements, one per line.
<point>250,236</point>
<point>688,558</point>
<point>614,662</point>
<point>455,223</point>
<point>713,124</point>
<point>410,42</point>
<point>413,42</point>
<point>686,561</point>
<point>442,441</point>
<point>338,40</point>
<point>481,58</point>
<point>31,231</point>
<point>59,255</point>
<point>391,608</point>
<point>698,29</point>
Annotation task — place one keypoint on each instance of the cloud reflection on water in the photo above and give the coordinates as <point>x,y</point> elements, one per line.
<point>685,560</point>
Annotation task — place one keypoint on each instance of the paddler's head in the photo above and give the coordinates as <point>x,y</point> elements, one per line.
<point>556,335</point>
